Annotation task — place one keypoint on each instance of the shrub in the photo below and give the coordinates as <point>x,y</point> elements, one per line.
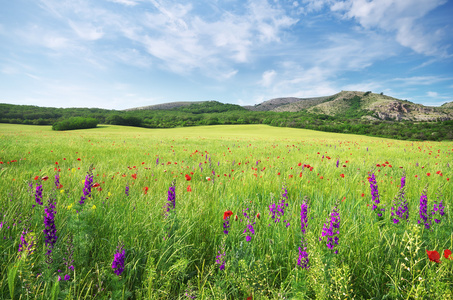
<point>75,123</point>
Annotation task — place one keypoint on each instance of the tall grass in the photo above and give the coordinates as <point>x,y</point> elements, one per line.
<point>172,255</point>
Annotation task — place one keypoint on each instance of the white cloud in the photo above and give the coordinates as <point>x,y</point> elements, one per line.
<point>421,80</point>
<point>403,17</point>
<point>86,31</point>
<point>432,94</point>
<point>268,77</point>
<point>126,2</point>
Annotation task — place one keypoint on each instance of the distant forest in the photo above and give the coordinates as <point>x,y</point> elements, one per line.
<point>216,113</point>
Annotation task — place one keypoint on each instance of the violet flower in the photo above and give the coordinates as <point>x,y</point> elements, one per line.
<point>220,259</point>
<point>401,212</point>
<point>303,255</point>
<point>226,225</point>
<point>438,207</point>
<point>87,187</point>
<point>126,191</point>
<point>118,260</point>
<point>423,211</point>
<point>27,242</point>
<point>331,229</point>
<point>50,231</point>
<point>171,199</point>
<point>375,194</point>
<point>57,180</point>
<point>38,193</point>
<point>278,211</point>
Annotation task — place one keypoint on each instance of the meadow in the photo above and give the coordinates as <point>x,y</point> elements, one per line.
<point>222,212</point>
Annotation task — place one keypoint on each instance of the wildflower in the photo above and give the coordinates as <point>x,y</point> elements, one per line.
<point>118,260</point>
<point>227,214</point>
<point>127,190</point>
<point>438,207</point>
<point>38,193</point>
<point>27,241</point>
<point>220,259</point>
<point>331,229</point>
<point>145,190</point>
<point>447,254</point>
<point>434,256</point>
<point>375,194</point>
<point>423,211</point>
<point>402,210</point>
<point>88,185</point>
<point>171,204</point>
<point>303,255</point>
<point>338,162</point>
<point>50,230</point>
<point>57,181</point>
<point>188,178</point>
<point>278,211</point>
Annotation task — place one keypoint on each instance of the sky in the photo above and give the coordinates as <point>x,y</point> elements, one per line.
<point>119,54</point>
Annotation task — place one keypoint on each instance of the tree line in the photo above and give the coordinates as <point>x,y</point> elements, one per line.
<point>216,113</point>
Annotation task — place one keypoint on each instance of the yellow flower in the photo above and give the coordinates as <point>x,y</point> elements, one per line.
<point>73,170</point>
<point>62,191</point>
<point>70,206</point>
<point>109,194</point>
<point>94,207</point>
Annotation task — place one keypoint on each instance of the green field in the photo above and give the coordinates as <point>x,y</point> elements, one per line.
<point>175,254</point>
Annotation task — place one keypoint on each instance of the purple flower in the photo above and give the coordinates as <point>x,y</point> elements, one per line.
<point>67,277</point>
<point>331,229</point>
<point>87,187</point>
<point>171,199</point>
<point>27,242</point>
<point>400,210</point>
<point>303,258</point>
<point>375,194</point>
<point>438,207</point>
<point>157,161</point>
<point>226,225</point>
<point>249,227</point>
<point>118,260</point>
<point>57,180</point>
<point>277,211</point>
<point>423,211</point>
<point>220,259</point>
<point>338,162</point>
<point>38,194</point>
<point>127,190</point>
<point>303,255</point>
<point>50,231</point>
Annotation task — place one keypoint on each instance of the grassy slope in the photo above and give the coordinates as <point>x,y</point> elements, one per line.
<point>370,250</point>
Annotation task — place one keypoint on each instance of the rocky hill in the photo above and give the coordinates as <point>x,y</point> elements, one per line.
<point>164,106</point>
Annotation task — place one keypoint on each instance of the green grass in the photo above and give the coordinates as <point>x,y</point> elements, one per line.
<point>167,257</point>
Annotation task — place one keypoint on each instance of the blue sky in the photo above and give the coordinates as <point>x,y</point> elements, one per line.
<point>119,54</point>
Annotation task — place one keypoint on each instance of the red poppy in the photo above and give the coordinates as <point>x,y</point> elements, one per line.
<point>78,159</point>
<point>428,174</point>
<point>145,190</point>
<point>434,256</point>
<point>447,254</point>
<point>227,214</point>
<point>36,177</point>
<point>258,215</point>
<point>56,162</point>
<point>134,176</point>
<point>189,189</point>
<point>342,175</point>
<point>59,186</point>
<point>96,185</point>
<point>363,195</point>
<point>188,178</point>
<point>300,164</point>
<point>45,178</point>
<point>236,217</point>
<point>250,297</point>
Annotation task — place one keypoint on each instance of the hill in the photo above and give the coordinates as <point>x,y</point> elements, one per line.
<point>356,112</point>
